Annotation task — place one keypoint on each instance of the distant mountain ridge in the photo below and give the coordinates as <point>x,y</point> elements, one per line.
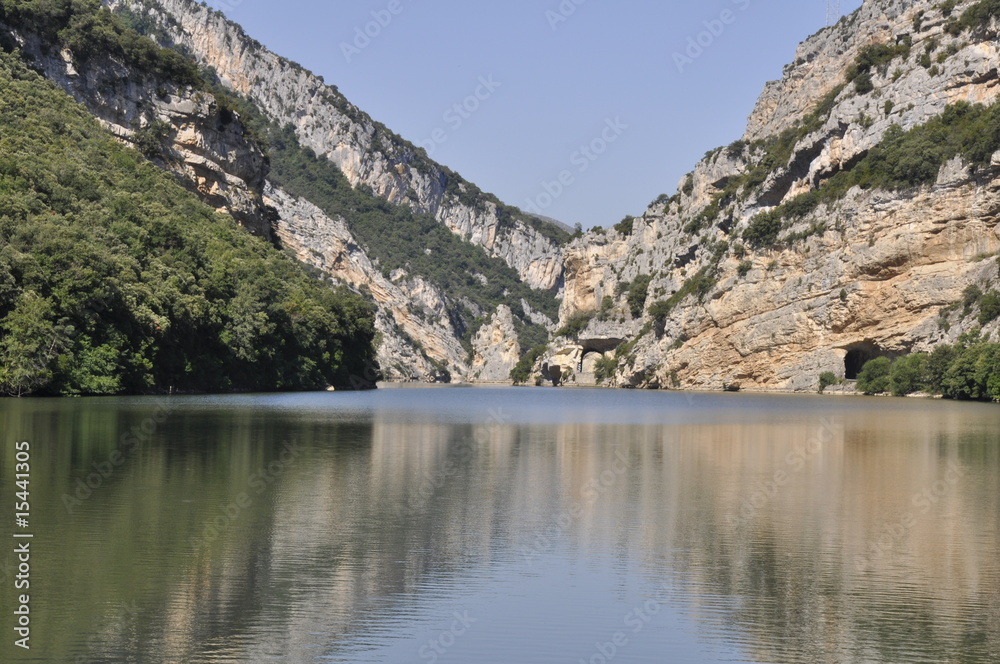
<point>853,219</point>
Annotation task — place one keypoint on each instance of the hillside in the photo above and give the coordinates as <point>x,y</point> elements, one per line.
<point>444,254</point>
<point>856,218</point>
<point>432,288</point>
<point>114,279</point>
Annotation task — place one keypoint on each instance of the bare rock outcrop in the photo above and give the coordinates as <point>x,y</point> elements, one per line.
<point>365,151</point>
<point>495,349</point>
<point>873,272</point>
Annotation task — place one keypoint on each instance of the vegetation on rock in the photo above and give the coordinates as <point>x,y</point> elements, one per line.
<point>827,379</point>
<point>903,159</point>
<point>88,31</point>
<point>521,372</point>
<point>967,371</point>
<point>114,279</point>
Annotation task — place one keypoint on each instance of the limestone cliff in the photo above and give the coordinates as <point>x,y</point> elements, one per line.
<point>496,349</point>
<point>186,131</point>
<point>872,272</point>
<point>364,150</point>
<point>751,276</point>
<point>180,128</point>
<point>418,341</point>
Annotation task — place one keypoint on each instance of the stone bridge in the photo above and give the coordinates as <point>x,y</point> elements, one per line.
<point>575,362</point>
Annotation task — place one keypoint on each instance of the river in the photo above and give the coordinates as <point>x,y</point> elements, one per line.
<point>502,525</point>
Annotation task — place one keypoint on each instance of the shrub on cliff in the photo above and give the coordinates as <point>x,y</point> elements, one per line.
<point>625,226</point>
<point>874,56</point>
<point>977,17</point>
<point>763,229</point>
<point>605,368</point>
<point>989,307</point>
<point>826,379</point>
<point>114,279</point>
<point>576,324</point>
<point>521,372</point>
<point>638,291</point>
<point>89,31</point>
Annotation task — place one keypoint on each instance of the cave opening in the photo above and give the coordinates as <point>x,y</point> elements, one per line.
<point>858,355</point>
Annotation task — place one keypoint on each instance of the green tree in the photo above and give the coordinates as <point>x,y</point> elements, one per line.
<point>962,380</point>
<point>908,374</point>
<point>637,292</point>
<point>30,346</point>
<point>874,376</point>
<point>826,379</point>
<point>114,279</point>
<point>937,368</point>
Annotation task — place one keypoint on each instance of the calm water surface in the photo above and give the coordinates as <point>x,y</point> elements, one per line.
<point>501,526</point>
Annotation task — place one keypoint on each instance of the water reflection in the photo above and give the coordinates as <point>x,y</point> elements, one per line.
<point>353,528</point>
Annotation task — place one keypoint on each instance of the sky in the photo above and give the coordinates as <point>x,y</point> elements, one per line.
<point>580,110</point>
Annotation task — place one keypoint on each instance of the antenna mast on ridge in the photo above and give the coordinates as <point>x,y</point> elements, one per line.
<point>832,12</point>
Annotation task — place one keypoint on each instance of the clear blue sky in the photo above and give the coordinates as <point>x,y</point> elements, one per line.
<point>557,81</point>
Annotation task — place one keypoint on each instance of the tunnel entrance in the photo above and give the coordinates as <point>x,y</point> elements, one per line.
<point>858,355</point>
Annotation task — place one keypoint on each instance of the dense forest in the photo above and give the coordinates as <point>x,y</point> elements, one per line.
<point>114,279</point>
<point>394,236</point>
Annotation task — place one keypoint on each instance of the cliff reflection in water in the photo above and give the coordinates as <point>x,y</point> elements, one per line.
<point>836,534</point>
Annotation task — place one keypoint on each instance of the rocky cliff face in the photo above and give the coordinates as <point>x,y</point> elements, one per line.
<point>186,132</point>
<point>676,298</point>
<point>181,129</point>
<point>418,341</point>
<point>868,273</point>
<point>366,152</point>
<point>495,349</point>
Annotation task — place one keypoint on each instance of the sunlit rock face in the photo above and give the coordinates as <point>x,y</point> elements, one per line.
<point>873,268</point>
<point>366,152</point>
<point>180,129</point>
